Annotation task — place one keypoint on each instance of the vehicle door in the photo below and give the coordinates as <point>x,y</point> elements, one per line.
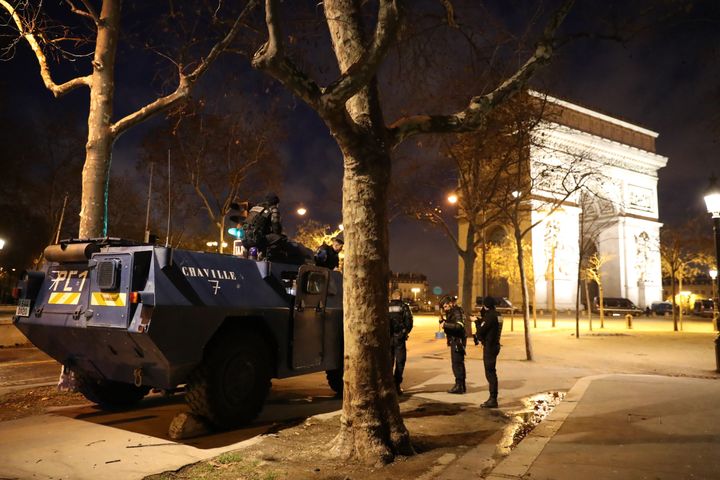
<point>309,316</point>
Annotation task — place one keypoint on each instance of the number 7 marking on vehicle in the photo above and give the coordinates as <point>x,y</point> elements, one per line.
<point>215,286</point>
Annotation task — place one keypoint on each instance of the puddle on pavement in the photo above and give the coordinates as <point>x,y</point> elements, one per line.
<point>536,409</point>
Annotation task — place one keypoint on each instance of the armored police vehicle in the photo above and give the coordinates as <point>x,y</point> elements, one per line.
<point>127,317</point>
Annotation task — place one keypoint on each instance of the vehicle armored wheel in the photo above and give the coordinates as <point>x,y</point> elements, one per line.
<point>109,394</point>
<point>335,380</point>
<point>229,387</point>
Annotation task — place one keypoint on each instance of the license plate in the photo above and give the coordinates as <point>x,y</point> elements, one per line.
<point>23,308</point>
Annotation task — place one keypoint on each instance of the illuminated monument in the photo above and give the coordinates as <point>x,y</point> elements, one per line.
<point>620,220</point>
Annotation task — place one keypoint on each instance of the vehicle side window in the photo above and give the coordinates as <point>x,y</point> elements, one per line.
<point>314,282</point>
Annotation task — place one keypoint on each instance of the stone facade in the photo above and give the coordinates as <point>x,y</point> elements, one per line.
<point>621,215</point>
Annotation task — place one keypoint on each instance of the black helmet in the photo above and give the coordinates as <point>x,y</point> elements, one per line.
<point>446,299</point>
<point>489,302</point>
<point>339,239</point>
<point>272,199</point>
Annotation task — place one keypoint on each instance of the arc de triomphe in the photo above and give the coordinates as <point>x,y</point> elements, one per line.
<point>620,222</point>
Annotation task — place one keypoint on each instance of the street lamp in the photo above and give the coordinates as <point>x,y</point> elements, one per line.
<point>452,199</point>
<point>415,291</point>
<point>2,243</point>
<point>713,275</point>
<point>712,201</point>
<point>301,211</point>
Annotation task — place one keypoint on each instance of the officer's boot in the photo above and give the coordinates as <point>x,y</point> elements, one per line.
<point>398,389</point>
<point>457,388</point>
<point>462,383</point>
<point>490,402</point>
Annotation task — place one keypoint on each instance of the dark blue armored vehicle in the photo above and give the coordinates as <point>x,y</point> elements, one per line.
<point>125,318</point>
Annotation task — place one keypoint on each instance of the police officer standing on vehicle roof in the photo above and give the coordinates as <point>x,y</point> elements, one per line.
<point>489,329</point>
<point>263,227</point>
<point>401,322</point>
<point>328,255</point>
<point>453,323</point>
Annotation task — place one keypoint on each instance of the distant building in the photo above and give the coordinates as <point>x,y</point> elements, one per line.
<point>626,206</point>
<point>700,287</point>
<point>413,286</point>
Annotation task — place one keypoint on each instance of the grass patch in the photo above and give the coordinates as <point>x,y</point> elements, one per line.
<point>226,466</point>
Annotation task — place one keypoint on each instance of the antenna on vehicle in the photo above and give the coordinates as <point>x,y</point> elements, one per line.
<point>167,234</point>
<point>60,222</point>
<point>147,210</point>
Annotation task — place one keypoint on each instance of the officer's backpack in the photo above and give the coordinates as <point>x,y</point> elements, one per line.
<point>256,225</point>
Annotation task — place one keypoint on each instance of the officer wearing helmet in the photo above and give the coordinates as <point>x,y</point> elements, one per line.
<point>452,320</point>
<point>401,322</point>
<point>262,226</point>
<point>489,329</point>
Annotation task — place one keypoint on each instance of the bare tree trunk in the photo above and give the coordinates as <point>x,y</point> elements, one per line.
<point>680,307</point>
<point>468,257</point>
<point>587,304</point>
<point>601,305</point>
<point>674,306</point>
<point>525,296</point>
<point>96,171</point>
<point>577,292</point>
<point>371,427</point>
<point>552,288</point>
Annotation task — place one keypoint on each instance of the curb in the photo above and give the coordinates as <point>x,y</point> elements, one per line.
<point>518,463</point>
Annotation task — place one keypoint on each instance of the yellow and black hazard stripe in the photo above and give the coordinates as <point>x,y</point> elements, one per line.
<point>108,299</point>
<point>64,298</point>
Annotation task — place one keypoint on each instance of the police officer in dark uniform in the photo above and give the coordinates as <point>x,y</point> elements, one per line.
<point>489,330</point>
<point>328,255</point>
<point>453,323</point>
<point>263,227</point>
<point>401,322</point>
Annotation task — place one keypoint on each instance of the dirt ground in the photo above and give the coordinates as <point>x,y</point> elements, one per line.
<point>35,401</point>
<point>442,431</point>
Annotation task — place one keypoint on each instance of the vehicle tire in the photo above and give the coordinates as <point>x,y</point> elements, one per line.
<point>230,386</point>
<point>335,380</point>
<point>109,394</point>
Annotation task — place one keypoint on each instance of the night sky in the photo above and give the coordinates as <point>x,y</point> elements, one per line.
<point>666,79</point>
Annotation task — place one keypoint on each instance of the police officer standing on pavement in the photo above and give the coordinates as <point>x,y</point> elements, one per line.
<point>489,330</point>
<point>401,322</point>
<point>453,323</point>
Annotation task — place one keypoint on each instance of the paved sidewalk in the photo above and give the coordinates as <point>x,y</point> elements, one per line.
<point>617,427</point>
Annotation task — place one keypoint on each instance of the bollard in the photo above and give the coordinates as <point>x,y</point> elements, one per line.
<point>628,317</point>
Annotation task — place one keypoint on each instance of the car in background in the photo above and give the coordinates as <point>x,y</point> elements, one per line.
<point>617,307</point>
<point>703,308</point>
<point>502,305</point>
<point>661,308</point>
<point>414,306</point>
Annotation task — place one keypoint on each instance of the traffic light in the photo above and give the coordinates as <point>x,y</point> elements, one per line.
<point>238,214</point>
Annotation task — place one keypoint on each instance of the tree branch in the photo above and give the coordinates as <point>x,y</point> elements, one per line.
<point>360,73</point>
<point>185,83</point>
<point>476,113</point>
<point>271,58</point>
<point>89,12</point>
<point>57,90</point>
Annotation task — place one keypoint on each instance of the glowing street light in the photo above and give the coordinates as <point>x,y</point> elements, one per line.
<point>415,291</point>
<point>340,227</point>
<point>2,243</point>
<point>452,198</point>
<point>301,211</point>
<point>712,201</point>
